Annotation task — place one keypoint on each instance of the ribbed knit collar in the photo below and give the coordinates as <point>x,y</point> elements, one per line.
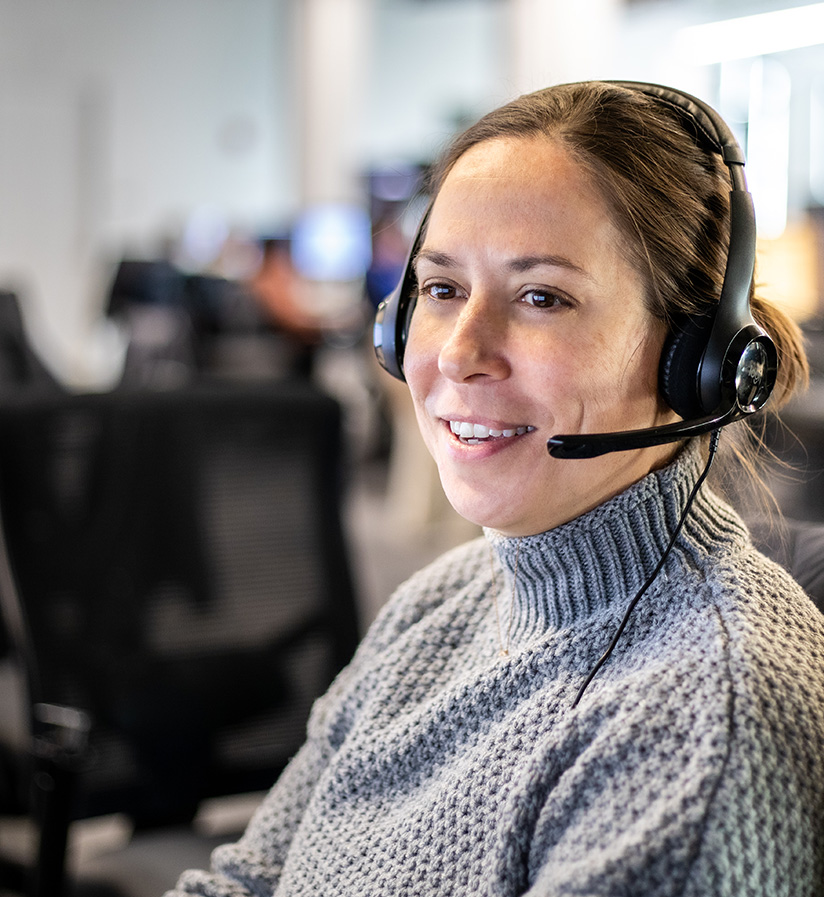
<point>605,555</point>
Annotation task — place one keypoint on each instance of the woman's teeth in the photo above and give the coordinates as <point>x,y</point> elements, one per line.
<point>475,433</point>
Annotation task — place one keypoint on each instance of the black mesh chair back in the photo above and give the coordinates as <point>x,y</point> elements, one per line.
<point>20,366</point>
<point>183,583</point>
<point>797,443</point>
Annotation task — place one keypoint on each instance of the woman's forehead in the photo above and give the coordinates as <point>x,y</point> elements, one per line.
<point>523,188</point>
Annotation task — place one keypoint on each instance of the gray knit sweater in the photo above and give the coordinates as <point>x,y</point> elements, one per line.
<point>693,765</point>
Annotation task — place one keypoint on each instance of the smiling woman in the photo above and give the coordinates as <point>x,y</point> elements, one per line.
<point>612,691</point>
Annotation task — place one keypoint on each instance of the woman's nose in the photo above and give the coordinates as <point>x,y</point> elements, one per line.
<point>475,345</point>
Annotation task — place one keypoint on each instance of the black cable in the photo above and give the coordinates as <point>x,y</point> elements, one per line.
<point>714,437</point>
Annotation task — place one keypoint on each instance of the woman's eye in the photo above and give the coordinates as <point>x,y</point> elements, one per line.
<point>543,298</point>
<point>439,291</point>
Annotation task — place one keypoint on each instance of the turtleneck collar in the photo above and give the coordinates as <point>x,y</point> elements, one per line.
<point>605,555</point>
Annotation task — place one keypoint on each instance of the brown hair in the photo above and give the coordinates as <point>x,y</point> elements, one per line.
<point>669,197</point>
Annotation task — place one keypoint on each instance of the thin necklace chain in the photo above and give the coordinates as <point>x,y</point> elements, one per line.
<point>503,649</point>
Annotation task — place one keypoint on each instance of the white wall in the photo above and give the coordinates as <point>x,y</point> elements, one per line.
<point>432,65</point>
<point>118,119</point>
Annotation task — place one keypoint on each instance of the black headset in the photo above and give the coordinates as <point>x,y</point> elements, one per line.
<point>716,367</point>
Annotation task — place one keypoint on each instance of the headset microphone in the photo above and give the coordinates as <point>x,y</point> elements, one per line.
<point>590,446</point>
<point>716,367</point>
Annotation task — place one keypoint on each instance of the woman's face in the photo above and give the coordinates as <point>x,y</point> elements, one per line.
<point>529,322</point>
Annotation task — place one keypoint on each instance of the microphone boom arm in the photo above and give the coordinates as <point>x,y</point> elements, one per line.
<point>594,444</point>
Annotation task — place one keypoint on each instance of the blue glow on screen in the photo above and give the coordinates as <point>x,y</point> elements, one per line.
<point>332,242</point>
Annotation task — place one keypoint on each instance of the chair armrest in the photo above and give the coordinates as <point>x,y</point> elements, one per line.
<point>60,739</point>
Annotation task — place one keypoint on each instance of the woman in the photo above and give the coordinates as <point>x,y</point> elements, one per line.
<point>570,232</point>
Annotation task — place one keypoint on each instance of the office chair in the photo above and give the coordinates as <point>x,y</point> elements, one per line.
<point>798,444</point>
<point>179,594</point>
<point>20,366</point>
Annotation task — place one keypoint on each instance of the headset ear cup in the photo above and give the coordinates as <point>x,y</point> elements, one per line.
<point>678,371</point>
<point>391,326</point>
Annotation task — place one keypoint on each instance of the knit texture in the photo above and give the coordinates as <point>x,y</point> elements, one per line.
<point>693,765</point>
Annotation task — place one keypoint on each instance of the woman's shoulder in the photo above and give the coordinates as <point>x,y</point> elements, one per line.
<point>763,593</point>
<point>798,547</point>
<point>773,664</point>
<point>752,622</point>
<point>738,612</point>
<point>427,588</point>
<point>749,568</point>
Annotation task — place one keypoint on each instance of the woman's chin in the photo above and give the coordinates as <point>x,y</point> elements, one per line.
<point>491,514</point>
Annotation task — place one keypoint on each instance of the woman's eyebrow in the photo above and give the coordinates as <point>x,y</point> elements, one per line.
<point>528,262</point>
<point>517,265</point>
<point>441,259</point>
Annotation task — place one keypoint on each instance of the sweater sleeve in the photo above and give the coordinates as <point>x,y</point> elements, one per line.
<point>253,865</point>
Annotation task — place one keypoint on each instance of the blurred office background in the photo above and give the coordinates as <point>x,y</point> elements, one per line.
<point>221,190</point>
<point>251,161</point>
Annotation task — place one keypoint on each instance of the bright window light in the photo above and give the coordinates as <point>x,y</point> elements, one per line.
<point>817,140</point>
<point>756,35</point>
<point>768,145</point>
